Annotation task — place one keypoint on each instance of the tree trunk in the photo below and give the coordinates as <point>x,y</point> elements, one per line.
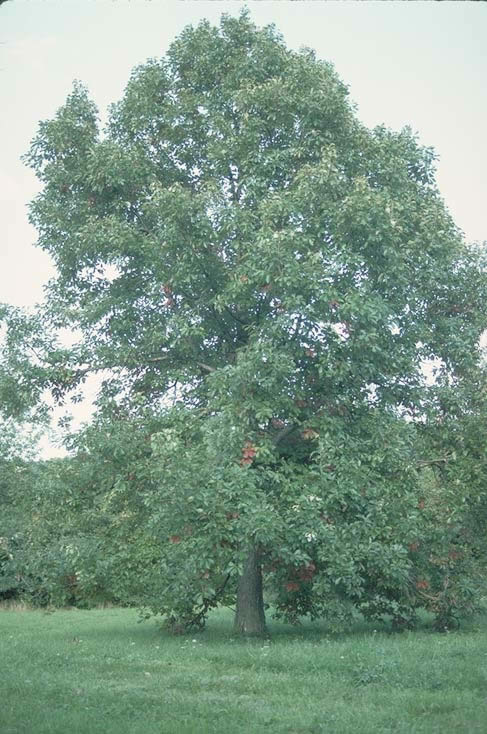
<point>250,615</point>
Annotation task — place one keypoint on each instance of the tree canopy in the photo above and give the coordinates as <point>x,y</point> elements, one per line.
<point>262,281</point>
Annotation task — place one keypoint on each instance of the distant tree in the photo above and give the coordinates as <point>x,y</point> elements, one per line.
<point>17,450</point>
<point>263,279</point>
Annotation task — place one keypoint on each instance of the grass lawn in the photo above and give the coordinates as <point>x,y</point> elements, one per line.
<point>100,671</point>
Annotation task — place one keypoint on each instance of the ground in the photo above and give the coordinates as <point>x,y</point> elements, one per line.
<point>100,671</point>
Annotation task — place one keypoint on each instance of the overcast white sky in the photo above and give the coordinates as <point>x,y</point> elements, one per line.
<point>422,64</point>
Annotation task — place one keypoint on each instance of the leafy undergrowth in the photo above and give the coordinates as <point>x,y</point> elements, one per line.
<point>89,672</point>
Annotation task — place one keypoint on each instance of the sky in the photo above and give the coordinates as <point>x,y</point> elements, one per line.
<point>422,64</point>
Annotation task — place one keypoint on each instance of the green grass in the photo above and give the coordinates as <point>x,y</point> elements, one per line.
<point>94,672</point>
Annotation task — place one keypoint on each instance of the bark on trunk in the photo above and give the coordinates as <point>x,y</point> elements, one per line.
<point>250,614</point>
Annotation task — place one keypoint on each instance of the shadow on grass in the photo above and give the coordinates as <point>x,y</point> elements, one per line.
<point>220,626</point>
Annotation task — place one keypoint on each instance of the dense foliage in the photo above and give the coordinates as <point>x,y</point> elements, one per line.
<point>261,281</point>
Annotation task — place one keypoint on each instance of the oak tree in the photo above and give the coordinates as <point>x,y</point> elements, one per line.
<point>261,279</point>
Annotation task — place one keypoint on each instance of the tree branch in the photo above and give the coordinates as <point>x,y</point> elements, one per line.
<point>431,462</point>
<point>281,435</point>
<point>206,367</point>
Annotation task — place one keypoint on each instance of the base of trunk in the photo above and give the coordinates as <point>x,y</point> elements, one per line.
<point>250,614</point>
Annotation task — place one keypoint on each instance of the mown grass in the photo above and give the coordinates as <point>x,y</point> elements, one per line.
<point>88,672</point>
